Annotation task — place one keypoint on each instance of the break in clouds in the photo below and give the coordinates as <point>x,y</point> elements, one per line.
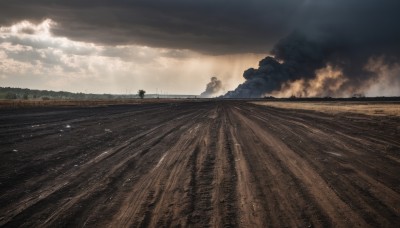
<point>314,47</point>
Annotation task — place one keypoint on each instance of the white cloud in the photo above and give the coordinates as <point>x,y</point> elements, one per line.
<point>31,56</point>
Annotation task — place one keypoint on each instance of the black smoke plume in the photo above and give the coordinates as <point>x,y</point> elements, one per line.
<point>299,57</point>
<point>213,87</point>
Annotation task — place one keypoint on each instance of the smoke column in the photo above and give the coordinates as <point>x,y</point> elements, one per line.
<point>213,87</point>
<point>300,63</point>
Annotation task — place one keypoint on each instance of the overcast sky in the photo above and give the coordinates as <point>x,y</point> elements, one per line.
<point>120,46</point>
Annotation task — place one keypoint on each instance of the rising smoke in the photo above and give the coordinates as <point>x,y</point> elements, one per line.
<point>213,88</point>
<point>306,66</point>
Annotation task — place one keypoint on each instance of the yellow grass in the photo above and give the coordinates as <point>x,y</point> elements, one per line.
<point>335,107</point>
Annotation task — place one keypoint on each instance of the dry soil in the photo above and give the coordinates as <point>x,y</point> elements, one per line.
<point>199,164</point>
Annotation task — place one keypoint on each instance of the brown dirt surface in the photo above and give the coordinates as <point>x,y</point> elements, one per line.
<point>6,104</point>
<point>197,164</point>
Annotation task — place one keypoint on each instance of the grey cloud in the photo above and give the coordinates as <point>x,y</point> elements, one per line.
<point>129,54</point>
<point>47,58</point>
<point>38,44</point>
<point>176,54</point>
<point>142,55</point>
<point>214,27</point>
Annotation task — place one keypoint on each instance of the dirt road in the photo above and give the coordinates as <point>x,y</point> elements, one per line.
<point>200,164</point>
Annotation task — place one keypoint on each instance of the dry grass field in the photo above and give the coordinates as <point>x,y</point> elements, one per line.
<point>335,107</point>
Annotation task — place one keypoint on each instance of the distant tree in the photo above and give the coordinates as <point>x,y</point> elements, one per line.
<point>25,96</point>
<point>141,93</point>
<point>11,96</point>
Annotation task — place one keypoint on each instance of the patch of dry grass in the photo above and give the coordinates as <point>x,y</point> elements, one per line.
<point>335,107</point>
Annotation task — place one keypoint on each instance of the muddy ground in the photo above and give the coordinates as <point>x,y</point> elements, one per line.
<point>200,164</point>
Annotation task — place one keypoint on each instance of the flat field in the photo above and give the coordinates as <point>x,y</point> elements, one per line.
<point>199,164</point>
<point>80,103</point>
<point>372,108</point>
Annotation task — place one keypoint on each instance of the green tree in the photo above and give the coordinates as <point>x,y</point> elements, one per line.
<point>141,93</point>
<point>10,95</point>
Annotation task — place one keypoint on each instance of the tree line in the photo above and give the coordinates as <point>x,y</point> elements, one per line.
<point>27,94</point>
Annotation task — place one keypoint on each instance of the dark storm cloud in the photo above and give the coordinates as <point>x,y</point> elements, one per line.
<point>215,27</point>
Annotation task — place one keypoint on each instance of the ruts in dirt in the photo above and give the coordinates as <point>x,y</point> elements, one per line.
<point>197,164</point>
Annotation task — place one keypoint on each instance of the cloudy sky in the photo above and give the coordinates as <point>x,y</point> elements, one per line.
<point>119,46</point>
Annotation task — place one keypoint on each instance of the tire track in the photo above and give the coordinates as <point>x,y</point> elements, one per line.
<point>198,164</point>
<point>338,211</point>
<point>360,184</point>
